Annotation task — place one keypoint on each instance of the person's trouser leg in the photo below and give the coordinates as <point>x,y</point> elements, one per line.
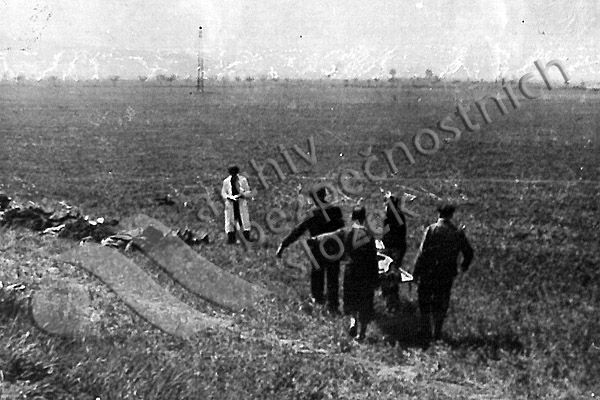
<point>363,330</point>
<point>366,312</point>
<point>353,330</point>
<point>231,237</point>
<point>231,229</point>
<point>438,320</point>
<point>441,303</point>
<point>333,283</point>
<point>236,213</point>
<point>395,296</point>
<point>237,221</point>
<point>390,291</point>
<point>392,295</point>
<point>246,235</point>
<point>317,286</point>
<point>424,293</point>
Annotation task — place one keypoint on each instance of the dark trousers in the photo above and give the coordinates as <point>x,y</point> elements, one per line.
<point>237,217</point>
<point>236,213</point>
<point>434,299</point>
<point>317,283</point>
<point>390,289</point>
<point>358,296</point>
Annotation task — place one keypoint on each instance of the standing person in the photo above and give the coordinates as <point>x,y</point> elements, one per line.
<point>361,274</point>
<point>436,268</point>
<point>324,217</point>
<point>235,193</point>
<point>394,241</point>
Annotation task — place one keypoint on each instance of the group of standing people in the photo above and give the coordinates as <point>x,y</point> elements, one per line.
<point>331,241</point>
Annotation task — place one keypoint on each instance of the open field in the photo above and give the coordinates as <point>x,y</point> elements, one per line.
<point>523,321</point>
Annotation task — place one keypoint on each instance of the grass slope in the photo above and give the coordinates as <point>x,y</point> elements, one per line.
<point>523,322</point>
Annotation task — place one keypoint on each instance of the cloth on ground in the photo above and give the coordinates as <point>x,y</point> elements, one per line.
<point>65,221</point>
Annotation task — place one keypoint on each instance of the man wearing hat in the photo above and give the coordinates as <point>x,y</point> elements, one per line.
<point>235,192</point>
<point>323,218</point>
<point>436,268</point>
<point>361,273</point>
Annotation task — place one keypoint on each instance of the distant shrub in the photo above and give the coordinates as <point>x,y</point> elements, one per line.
<point>142,78</point>
<point>393,73</point>
<point>114,79</point>
<point>430,76</point>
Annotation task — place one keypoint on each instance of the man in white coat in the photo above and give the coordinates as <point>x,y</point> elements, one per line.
<point>235,193</point>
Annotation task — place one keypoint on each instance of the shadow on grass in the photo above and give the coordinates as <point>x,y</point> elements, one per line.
<point>491,344</point>
<point>403,328</point>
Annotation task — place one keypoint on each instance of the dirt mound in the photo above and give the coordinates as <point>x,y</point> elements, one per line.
<point>140,292</point>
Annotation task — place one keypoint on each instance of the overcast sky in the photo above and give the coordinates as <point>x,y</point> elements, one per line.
<point>476,39</point>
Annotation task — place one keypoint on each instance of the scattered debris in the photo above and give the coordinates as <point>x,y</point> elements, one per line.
<point>65,221</point>
<point>165,200</point>
<point>118,241</point>
<point>191,239</point>
<point>58,219</point>
<point>82,228</point>
<point>12,287</point>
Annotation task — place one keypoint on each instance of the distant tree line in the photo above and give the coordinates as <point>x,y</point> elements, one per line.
<point>390,80</point>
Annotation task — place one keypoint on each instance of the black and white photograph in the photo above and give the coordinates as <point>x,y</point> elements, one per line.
<point>261,199</point>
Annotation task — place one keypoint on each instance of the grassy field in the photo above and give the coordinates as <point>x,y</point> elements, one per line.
<point>523,321</point>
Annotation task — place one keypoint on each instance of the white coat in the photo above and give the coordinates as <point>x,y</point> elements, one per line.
<point>245,193</point>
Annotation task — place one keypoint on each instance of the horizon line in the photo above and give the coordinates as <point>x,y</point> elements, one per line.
<point>172,78</point>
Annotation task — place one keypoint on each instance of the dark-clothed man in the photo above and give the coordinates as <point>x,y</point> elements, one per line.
<point>323,218</point>
<point>394,241</point>
<point>436,268</point>
<point>361,273</point>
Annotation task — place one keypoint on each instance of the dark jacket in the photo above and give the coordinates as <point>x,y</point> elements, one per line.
<point>317,223</point>
<point>395,238</point>
<point>359,248</point>
<point>438,253</point>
